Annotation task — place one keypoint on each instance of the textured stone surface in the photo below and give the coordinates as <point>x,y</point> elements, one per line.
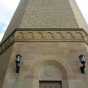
<point>48,14</point>
<point>41,55</point>
<point>4,61</point>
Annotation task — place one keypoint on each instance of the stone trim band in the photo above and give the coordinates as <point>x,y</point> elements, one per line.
<point>20,35</point>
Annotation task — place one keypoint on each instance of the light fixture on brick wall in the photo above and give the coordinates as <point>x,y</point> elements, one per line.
<point>82,62</point>
<point>19,61</point>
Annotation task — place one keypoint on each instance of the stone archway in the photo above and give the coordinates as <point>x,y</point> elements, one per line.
<point>52,72</point>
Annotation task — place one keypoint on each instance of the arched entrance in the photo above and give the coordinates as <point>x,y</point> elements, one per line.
<point>51,74</point>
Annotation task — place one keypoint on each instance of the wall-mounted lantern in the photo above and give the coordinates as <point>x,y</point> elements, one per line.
<point>18,62</point>
<point>82,62</point>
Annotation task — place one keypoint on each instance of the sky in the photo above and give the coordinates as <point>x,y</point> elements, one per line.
<point>8,7</point>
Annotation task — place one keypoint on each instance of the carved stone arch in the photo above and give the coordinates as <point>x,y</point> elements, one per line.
<point>51,70</point>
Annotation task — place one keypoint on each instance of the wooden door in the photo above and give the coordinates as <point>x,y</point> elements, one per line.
<point>50,84</point>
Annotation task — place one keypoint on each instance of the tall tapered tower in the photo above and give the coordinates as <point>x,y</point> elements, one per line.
<point>49,35</point>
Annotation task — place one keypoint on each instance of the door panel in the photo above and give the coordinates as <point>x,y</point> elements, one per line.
<point>50,84</point>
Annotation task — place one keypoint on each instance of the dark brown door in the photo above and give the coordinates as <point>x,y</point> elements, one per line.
<point>50,84</point>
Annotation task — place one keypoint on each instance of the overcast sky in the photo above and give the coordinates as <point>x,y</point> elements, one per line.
<point>7,8</point>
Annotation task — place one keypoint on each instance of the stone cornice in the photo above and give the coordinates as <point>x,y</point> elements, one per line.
<point>38,35</point>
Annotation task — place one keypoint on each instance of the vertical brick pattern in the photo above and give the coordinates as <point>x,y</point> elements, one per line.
<point>48,14</point>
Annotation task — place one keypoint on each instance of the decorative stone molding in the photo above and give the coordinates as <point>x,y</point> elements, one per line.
<point>50,36</point>
<point>27,35</point>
